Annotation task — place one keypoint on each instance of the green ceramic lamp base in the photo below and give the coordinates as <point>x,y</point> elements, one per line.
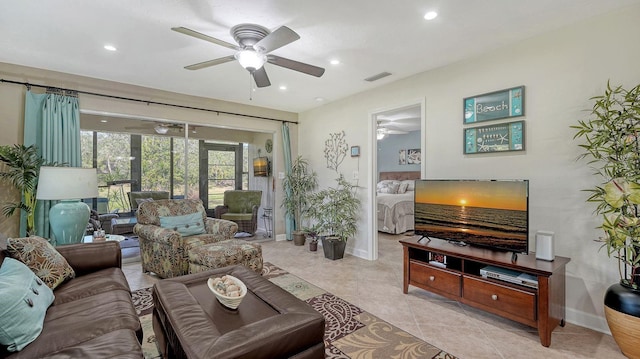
<point>68,220</point>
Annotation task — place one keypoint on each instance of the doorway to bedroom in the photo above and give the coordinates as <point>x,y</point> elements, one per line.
<point>399,143</point>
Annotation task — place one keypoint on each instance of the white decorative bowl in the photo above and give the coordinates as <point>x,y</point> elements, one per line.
<point>229,302</point>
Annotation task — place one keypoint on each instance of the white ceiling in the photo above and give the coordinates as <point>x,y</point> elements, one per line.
<point>368,37</point>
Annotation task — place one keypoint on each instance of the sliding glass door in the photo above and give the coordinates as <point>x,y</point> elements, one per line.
<point>221,169</point>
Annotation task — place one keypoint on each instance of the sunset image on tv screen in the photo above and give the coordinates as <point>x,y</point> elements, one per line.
<point>484,213</point>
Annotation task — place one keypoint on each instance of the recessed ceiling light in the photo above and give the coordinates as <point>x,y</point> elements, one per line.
<point>104,121</point>
<point>334,62</point>
<point>283,87</point>
<point>430,15</point>
<point>319,99</point>
<point>110,47</point>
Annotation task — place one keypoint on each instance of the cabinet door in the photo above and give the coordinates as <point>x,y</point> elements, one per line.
<point>499,299</point>
<point>438,280</point>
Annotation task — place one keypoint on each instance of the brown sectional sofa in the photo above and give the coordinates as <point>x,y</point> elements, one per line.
<point>92,315</point>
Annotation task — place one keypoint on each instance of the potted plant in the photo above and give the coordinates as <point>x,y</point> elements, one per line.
<point>23,164</point>
<point>312,235</point>
<point>336,213</point>
<point>612,145</point>
<point>298,185</point>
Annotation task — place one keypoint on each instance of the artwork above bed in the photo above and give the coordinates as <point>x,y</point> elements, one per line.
<point>395,201</point>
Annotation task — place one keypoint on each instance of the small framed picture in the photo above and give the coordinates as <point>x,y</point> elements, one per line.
<point>355,151</point>
<point>402,157</point>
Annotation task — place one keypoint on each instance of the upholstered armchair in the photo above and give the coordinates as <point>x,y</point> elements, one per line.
<point>240,207</point>
<point>163,249</point>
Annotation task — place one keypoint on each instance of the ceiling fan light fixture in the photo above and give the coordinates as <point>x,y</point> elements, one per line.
<point>380,133</point>
<point>161,130</point>
<point>250,60</point>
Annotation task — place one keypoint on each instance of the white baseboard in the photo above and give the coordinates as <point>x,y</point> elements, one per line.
<point>586,320</point>
<point>357,253</point>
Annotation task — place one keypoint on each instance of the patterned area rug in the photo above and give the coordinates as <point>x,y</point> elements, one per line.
<point>350,332</point>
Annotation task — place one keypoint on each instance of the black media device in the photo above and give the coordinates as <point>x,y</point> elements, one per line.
<point>484,213</point>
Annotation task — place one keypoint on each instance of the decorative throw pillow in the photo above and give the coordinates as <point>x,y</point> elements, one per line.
<point>388,186</point>
<point>403,188</point>
<point>411,184</point>
<point>25,299</point>
<point>187,225</point>
<point>42,259</point>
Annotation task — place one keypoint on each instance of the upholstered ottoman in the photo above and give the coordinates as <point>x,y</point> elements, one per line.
<point>189,322</point>
<point>225,253</point>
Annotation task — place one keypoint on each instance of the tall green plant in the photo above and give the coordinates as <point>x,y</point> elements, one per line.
<point>613,149</point>
<point>23,164</point>
<point>335,209</point>
<point>299,184</point>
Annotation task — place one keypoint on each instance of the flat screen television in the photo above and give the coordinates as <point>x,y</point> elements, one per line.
<point>485,213</point>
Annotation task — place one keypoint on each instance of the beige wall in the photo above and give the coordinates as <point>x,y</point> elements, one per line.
<point>12,114</point>
<point>561,71</point>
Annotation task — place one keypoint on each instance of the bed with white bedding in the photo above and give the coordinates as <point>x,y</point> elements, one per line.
<point>395,201</point>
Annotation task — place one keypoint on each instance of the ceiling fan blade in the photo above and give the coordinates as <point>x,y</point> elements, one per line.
<point>296,65</point>
<point>396,132</point>
<point>209,63</point>
<point>201,36</point>
<point>275,40</point>
<point>261,78</point>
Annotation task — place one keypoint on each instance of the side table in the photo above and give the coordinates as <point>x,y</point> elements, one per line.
<point>122,225</point>
<point>268,223</point>
<point>109,237</point>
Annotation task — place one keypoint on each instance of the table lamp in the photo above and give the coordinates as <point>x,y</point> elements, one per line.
<point>69,217</point>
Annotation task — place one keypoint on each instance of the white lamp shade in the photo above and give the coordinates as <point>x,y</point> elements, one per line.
<point>57,183</point>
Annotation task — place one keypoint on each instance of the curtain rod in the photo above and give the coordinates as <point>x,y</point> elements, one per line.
<point>29,85</point>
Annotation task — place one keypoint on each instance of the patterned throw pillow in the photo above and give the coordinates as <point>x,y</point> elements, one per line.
<point>411,184</point>
<point>42,259</point>
<point>388,186</point>
<point>403,188</point>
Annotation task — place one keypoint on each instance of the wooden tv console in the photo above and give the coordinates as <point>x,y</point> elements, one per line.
<point>460,280</point>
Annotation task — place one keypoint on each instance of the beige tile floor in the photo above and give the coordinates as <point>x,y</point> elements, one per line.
<point>376,286</point>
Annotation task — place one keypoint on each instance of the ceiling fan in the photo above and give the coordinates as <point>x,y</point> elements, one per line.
<point>255,44</point>
<point>161,128</point>
<point>387,128</point>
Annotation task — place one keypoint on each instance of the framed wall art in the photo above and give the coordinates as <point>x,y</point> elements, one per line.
<point>494,138</point>
<point>414,156</point>
<point>402,157</point>
<point>494,105</point>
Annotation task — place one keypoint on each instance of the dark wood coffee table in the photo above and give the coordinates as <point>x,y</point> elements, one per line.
<point>189,322</point>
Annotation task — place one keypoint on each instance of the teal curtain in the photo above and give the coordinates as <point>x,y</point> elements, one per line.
<point>289,222</point>
<point>52,123</point>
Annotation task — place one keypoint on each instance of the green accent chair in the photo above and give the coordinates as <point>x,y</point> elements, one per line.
<point>241,207</point>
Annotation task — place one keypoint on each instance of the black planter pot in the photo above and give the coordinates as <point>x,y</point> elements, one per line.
<point>622,310</point>
<point>333,248</point>
<point>313,245</point>
<point>623,299</point>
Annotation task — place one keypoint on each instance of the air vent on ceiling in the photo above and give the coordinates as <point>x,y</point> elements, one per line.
<point>377,77</point>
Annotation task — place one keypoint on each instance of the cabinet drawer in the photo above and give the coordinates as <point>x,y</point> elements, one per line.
<point>435,278</point>
<point>500,299</point>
